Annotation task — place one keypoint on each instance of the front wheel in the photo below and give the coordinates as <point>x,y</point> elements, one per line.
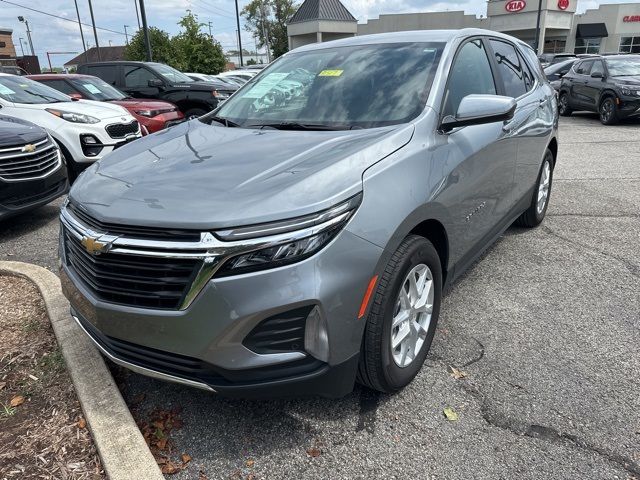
<point>403,317</point>
<point>194,113</point>
<point>608,111</point>
<point>533,216</point>
<point>563,105</point>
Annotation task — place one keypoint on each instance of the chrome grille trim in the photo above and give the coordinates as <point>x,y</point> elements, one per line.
<point>26,166</point>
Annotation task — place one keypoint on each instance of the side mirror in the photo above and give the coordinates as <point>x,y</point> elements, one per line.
<point>155,82</point>
<point>479,110</point>
<point>597,75</point>
<point>562,73</point>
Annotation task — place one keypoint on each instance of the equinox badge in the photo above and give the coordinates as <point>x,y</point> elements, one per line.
<point>95,246</point>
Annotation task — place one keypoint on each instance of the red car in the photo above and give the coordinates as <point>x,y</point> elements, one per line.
<point>153,115</point>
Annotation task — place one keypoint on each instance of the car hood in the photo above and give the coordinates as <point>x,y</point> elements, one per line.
<point>15,131</point>
<point>199,176</point>
<point>142,103</point>
<point>628,80</point>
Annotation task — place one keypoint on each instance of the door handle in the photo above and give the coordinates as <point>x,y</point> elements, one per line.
<point>507,127</point>
<point>542,103</point>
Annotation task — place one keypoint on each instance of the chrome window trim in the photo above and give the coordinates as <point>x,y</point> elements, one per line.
<point>212,251</point>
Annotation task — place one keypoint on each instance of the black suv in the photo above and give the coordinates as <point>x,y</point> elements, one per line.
<point>156,80</point>
<point>609,86</point>
<point>32,171</point>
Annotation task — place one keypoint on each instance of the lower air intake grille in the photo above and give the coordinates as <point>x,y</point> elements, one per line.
<point>280,333</point>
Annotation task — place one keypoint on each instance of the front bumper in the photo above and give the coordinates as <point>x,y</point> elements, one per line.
<point>628,107</point>
<point>204,345</point>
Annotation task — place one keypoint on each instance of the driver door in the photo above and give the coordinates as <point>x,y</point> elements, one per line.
<point>136,82</point>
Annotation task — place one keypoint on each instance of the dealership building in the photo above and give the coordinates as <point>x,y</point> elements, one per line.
<point>611,28</point>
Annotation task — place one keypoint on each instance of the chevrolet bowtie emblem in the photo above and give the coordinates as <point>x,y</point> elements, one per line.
<point>94,246</point>
<point>29,148</point>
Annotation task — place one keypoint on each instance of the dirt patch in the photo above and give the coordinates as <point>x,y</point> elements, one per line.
<point>42,432</point>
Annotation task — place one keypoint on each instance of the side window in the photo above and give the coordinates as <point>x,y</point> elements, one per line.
<point>470,74</point>
<point>510,68</point>
<point>585,68</point>
<point>105,72</point>
<point>135,76</point>
<point>60,85</point>
<point>597,67</point>
<point>529,79</point>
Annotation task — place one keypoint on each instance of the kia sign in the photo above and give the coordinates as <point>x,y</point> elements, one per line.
<point>631,18</point>
<point>515,6</point>
<point>563,4</point>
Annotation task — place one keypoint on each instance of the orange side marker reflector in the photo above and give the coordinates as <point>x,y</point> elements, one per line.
<point>367,296</point>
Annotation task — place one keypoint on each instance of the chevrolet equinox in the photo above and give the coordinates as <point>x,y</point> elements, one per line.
<point>298,238</point>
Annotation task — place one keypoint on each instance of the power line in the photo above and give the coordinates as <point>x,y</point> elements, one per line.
<point>211,8</point>
<point>58,16</point>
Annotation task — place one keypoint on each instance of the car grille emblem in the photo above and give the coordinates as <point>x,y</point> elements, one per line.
<point>29,148</point>
<point>94,246</point>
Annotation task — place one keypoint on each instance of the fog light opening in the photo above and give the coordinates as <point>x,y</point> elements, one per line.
<point>316,338</point>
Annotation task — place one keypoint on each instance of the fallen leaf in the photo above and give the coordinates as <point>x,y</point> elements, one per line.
<point>451,414</point>
<point>162,443</point>
<point>17,400</point>
<point>158,424</point>
<point>169,468</point>
<point>314,452</point>
<point>202,476</point>
<point>457,374</point>
<point>186,458</point>
<point>161,460</point>
<point>250,463</point>
<point>251,476</point>
<point>82,423</point>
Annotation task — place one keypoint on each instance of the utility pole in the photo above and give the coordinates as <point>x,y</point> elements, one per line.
<point>21,47</point>
<point>239,39</point>
<point>137,14</point>
<point>210,34</point>
<point>265,33</point>
<point>145,30</point>
<point>126,37</point>
<point>537,44</point>
<point>84,47</point>
<point>95,32</point>
<point>26,22</point>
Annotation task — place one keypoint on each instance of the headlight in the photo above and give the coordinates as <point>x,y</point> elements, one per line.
<point>629,91</point>
<point>148,113</point>
<point>73,117</point>
<point>282,243</point>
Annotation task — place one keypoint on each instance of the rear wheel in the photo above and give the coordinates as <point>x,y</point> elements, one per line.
<point>194,113</point>
<point>563,105</point>
<point>534,215</point>
<point>608,111</point>
<point>403,317</point>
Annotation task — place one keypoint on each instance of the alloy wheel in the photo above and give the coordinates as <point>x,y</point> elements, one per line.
<point>606,110</point>
<point>412,315</point>
<point>543,187</point>
<point>564,103</point>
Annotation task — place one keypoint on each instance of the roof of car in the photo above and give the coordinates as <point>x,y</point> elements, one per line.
<point>54,76</point>
<point>443,36</point>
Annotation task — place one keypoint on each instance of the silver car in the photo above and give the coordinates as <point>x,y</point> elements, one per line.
<point>299,238</point>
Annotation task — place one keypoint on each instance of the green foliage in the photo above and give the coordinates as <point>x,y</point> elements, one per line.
<point>191,50</point>
<point>251,61</point>
<point>161,46</point>
<point>270,17</point>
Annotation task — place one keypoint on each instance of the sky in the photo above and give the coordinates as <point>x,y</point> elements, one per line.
<point>59,35</point>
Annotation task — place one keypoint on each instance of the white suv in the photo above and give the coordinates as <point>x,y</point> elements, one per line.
<point>84,129</point>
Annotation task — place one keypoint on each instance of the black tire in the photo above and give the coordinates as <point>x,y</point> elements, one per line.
<point>563,105</point>
<point>533,216</point>
<point>608,111</point>
<point>377,368</point>
<point>192,113</point>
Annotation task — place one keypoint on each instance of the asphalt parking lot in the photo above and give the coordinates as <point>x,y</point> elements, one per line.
<point>546,327</point>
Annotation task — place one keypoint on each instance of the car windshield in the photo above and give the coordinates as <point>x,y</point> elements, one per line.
<point>171,73</point>
<point>362,86</point>
<point>558,67</point>
<point>622,67</point>
<point>97,89</point>
<point>24,90</point>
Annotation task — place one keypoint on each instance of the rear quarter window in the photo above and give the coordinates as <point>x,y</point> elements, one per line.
<point>108,73</point>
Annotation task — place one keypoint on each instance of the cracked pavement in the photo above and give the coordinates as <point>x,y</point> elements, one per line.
<point>546,326</point>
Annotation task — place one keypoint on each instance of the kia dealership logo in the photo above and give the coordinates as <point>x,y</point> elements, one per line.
<point>515,5</point>
<point>563,4</point>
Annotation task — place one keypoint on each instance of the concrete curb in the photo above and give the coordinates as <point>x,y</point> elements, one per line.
<point>122,449</point>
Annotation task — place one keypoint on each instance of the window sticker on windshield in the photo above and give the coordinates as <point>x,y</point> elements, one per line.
<point>330,73</point>
<point>91,88</point>
<point>265,85</point>
<point>6,90</point>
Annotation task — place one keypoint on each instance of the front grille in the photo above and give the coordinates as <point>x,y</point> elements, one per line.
<point>138,281</point>
<point>194,369</point>
<point>280,333</point>
<point>18,165</point>
<point>121,130</point>
<point>132,231</point>
<point>33,197</point>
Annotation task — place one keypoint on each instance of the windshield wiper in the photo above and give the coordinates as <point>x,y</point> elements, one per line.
<point>224,121</point>
<point>299,126</point>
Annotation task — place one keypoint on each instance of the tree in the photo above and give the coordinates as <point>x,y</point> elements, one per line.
<point>252,61</point>
<point>195,50</point>
<point>161,46</point>
<point>267,21</point>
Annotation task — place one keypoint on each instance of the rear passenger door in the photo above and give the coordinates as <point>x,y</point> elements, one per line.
<point>533,118</point>
<point>579,87</point>
<point>593,87</point>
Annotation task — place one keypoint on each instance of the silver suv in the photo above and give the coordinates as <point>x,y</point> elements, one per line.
<point>299,238</point>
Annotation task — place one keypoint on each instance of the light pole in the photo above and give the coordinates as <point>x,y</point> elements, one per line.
<point>210,34</point>
<point>239,39</point>
<point>84,48</point>
<point>145,30</point>
<point>95,32</point>
<point>26,22</point>
<point>126,37</point>
<point>135,2</point>
<point>537,44</point>
<point>21,47</point>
